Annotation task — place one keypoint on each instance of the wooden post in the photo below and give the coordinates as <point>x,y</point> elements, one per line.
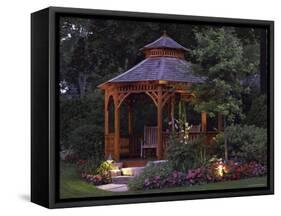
<point>220,126</point>
<point>169,109</point>
<point>106,126</point>
<point>204,121</point>
<point>130,119</point>
<point>159,125</point>
<point>173,112</point>
<point>116,129</point>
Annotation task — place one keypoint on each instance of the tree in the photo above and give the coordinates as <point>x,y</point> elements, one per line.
<point>258,108</point>
<point>220,60</point>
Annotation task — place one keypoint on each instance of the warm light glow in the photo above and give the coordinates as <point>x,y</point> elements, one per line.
<point>220,170</point>
<point>163,82</point>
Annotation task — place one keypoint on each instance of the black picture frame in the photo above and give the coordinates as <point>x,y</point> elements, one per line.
<point>44,108</point>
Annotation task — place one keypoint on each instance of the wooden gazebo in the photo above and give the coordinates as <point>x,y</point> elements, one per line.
<point>161,75</point>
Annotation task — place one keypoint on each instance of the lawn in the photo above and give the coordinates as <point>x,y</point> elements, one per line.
<point>71,186</point>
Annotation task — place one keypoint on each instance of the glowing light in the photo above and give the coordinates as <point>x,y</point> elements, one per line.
<point>220,170</point>
<point>163,81</point>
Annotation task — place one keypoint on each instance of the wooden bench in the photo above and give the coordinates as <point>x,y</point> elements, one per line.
<point>149,139</point>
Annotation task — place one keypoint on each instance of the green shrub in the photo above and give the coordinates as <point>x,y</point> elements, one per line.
<point>257,114</point>
<point>247,143</point>
<point>218,145</point>
<point>95,166</point>
<point>184,156</point>
<point>163,170</point>
<point>87,143</point>
<point>81,112</point>
<point>95,172</point>
<point>90,166</point>
<point>104,168</point>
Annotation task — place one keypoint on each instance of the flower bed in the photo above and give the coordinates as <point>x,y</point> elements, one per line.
<point>96,179</point>
<point>215,172</point>
<point>92,171</point>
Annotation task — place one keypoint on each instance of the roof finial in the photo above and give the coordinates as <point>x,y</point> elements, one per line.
<point>165,33</point>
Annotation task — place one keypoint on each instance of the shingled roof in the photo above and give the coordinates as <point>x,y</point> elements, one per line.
<point>164,42</point>
<point>155,68</point>
<point>159,68</point>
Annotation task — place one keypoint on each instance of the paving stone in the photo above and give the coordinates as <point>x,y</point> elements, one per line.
<point>121,179</point>
<point>114,187</point>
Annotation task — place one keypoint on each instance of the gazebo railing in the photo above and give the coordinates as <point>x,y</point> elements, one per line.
<point>130,146</point>
<point>137,88</point>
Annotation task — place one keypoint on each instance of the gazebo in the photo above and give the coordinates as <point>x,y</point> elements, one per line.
<point>163,74</point>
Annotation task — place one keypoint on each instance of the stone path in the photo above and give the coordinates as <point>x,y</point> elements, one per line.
<point>114,187</point>
<point>120,182</point>
<point>121,179</point>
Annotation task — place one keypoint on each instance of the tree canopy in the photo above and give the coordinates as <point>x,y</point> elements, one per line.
<point>224,61</point>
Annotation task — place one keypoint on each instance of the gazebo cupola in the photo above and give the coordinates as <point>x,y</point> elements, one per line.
<point>161,75</point>
<point>164,47</point>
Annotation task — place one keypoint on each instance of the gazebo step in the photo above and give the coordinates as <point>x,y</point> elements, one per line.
<point>131,171</point>
<point>114,173</point>
<point>121,179</point>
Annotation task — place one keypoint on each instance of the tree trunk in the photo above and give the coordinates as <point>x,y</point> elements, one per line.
<point>82,82</point>
<point>225,141</point>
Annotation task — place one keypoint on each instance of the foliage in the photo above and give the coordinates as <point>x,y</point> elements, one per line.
<point>218,145</point>
<point>95,171</point>
<point>87,143</point>
<point>98,49</point>
<point>214,171</point>
<point>89,166</point>
<point>96,179</point>
<point>181,125</point>
<point>220,55</point>
<point>81,113</point>
<point>71,185</point>
<point>224,61</point>
<point>173,179</point>
<point>231,170</point>
<point>161,170</point>
<point>247,143</point>
<point>104,168</point>
<point>258,108</point>
<point>71,158</point>
<point>184,156</point>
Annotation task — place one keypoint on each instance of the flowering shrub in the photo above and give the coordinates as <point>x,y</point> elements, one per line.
<point>219,171</point>
<point>253,169</point>
<point>174,179</point>
<point>214,172</point>
<point>187,155</point>
<point>94,174</point>
<point>96,179</point>
<point>151,177</point>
